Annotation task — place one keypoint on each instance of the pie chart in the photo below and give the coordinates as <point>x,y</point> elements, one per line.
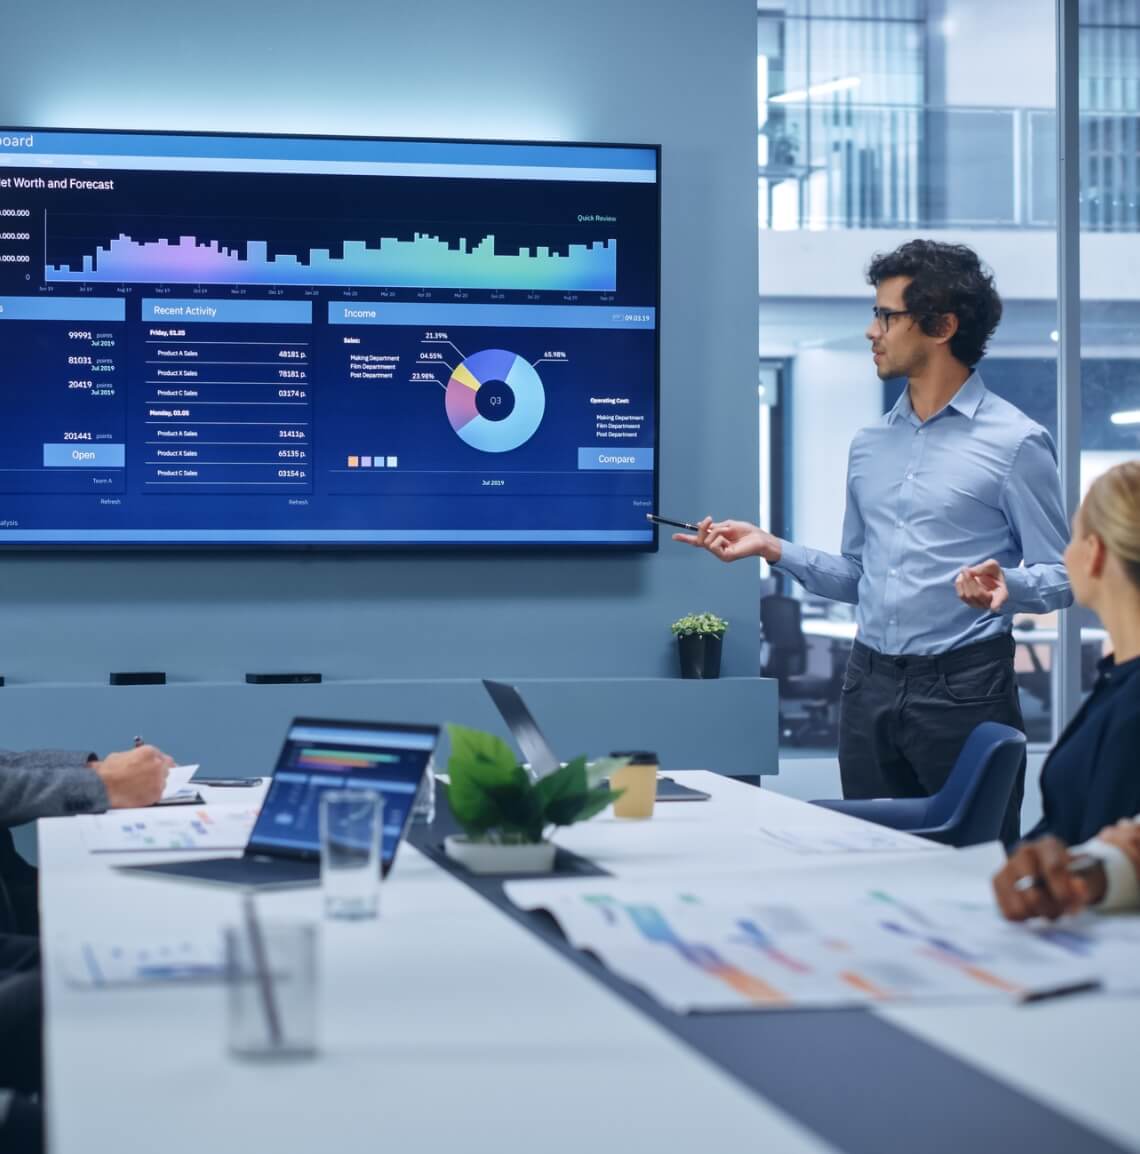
<point>495,400</point>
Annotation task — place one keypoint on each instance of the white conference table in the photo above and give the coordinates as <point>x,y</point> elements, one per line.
<point>447,1025</point>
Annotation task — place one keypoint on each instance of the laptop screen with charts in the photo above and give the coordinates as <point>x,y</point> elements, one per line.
<point>322,755</point>
<point>319,755</point>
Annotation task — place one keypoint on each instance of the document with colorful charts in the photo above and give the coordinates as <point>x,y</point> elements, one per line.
<point>200,827</point>
<point>102,962</point>
<point>709,947</point>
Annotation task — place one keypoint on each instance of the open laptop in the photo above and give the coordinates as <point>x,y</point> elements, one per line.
<point>284,847</point>
<point>536,749</point>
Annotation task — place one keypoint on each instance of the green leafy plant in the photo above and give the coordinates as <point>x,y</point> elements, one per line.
<point>494,799</point>
<point>702,623</point>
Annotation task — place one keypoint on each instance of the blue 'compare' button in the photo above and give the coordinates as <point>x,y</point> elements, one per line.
<point>615,458</point>
<point>81,455</point>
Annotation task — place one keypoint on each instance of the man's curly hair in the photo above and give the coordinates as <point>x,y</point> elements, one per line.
<point>945,278</point>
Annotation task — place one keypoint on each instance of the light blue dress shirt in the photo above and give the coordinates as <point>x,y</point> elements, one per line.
<point>924,498</point>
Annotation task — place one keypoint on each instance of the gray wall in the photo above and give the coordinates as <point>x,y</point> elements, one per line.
<point>673,72</point>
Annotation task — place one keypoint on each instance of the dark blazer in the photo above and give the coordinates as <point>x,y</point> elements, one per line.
<point>1092,775</point>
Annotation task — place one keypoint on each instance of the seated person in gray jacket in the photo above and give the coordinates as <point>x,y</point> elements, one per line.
<point>21,1055</point>
<point>55,783</point>
<point>46,783</point>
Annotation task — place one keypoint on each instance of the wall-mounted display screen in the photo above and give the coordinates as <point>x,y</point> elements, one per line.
<point>277,340</point>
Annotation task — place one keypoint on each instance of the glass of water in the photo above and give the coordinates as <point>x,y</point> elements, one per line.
<point>352,821</point>
<point>271,979</point>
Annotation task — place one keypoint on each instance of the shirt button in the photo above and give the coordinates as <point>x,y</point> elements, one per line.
<point>910,476</point>
<point>898,524</point>
<point>894,621</point>
<point>921,431</point>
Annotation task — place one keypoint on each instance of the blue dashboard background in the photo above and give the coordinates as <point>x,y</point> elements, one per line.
<point>79,462</point>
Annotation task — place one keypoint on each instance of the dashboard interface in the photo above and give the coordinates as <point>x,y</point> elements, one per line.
<point>320,756</point>
<point>244,340</point>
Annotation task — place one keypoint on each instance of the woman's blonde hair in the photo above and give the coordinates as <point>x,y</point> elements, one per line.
<point>1111,510</point>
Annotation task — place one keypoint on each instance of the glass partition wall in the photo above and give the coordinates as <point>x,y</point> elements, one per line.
<point>882,120</point>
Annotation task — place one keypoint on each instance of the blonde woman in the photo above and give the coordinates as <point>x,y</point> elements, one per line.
<point>1091,780</point>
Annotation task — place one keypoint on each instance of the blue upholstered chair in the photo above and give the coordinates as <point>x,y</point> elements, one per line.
<point>969,808</point>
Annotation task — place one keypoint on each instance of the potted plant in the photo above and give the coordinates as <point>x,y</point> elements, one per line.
<point>699,637</point>
<point>507,818</point>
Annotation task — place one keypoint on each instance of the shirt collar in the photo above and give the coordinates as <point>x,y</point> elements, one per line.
<point>965,401</point>
<point>901,409</point>
<point>1110,671</point>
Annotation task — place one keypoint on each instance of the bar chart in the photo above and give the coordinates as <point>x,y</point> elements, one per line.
<point>422,261</point>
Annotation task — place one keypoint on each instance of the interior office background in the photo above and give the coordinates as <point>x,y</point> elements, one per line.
<point>879,120</point>
<point>861,122</point>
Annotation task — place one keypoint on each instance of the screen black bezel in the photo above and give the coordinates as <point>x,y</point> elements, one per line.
<point>255,548</point>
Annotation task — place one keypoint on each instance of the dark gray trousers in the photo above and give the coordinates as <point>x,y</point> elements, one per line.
<point>21,1046</point>
<point>904,720</point>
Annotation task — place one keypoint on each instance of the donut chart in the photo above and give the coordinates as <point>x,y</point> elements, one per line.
<point>490,382</point>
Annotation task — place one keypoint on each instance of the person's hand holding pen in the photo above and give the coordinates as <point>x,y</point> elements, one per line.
<point>1045,879</point>
<point>732,540</point>
<point>135,777</point>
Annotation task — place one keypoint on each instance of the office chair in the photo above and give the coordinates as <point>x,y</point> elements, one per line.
<point>786,660</point>
<point>969,808</point>
<point>1038,680</point>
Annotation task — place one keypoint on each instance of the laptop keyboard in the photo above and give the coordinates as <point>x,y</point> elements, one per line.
<point>243,871</point>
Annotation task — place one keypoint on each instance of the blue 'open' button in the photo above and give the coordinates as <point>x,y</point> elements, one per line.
<point>83,455</point>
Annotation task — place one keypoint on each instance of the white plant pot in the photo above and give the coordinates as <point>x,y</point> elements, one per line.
<point>484,857</point>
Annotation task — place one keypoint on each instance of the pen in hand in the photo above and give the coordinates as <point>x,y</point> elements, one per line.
<point>1080,866</point>
<point>669,521</point>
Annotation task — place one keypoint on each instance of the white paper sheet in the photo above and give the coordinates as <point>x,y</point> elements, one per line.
<point>191,827</point>
<point>94,964</point>
<point>178,782</point>
<point>864,838</point>
<point>1108,943</point>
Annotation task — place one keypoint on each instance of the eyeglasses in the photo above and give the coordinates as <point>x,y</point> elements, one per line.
<point>884,316</point>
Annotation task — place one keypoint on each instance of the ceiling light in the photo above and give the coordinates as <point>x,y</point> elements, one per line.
<point>1127,417</point>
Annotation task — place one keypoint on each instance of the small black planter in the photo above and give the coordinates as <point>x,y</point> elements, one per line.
<point>700,654</point>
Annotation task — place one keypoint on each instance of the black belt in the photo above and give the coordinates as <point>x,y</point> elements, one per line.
<point>903,664</point>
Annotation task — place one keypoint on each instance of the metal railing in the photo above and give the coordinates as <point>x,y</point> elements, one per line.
<point>839,164</point>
